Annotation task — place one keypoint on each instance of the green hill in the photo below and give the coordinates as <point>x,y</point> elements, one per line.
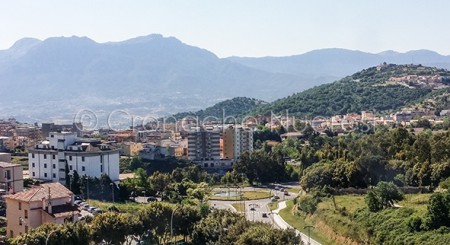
<point>233,107</point>
<point>379,89</point>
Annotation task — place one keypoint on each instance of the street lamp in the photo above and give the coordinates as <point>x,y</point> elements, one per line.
<point>171,222</point>
<point>112,191</point>
<point>48,236</point>
<point>309,232</point>
<point>87,187</point>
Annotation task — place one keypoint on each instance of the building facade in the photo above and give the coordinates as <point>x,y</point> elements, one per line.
<point>47,203</point>
<point>236,140</point>
<point>204,145</point>
<point>48,160</point>
<point>11,178</point>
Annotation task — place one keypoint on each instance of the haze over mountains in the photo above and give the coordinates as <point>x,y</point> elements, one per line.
<point>154,75</point>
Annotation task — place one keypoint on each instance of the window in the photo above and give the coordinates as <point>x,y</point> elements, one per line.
<point>26,214</point>
<point>101,158</point>
<point>45,165</point>
<point>70,167</point>
<point>82,159</point>
<point>33,174</point>
<point>8,174</point>
<point>70,158</point>
<point>45,175</point>
<point>32,165</point>
<point>54,175</point>
<point>45,156</point>
<point>52,136</point>
<point>54,166</point>
<point>101,168</point>
<point>32,155</point>
<point>83,168</point>
<point>54,156</point>
<point>20,206</point>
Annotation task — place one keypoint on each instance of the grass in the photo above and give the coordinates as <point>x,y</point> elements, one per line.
<point>299,222</point>
<point>20,160</point>
<point>247,195</point>
<point>239,207</point>
<point>418,202</point>
<point>294,190</point>
<point>333,220</point>
<point>273,205</point>
<point>129,207</point>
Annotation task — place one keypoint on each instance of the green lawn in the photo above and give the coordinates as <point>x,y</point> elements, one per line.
<point>239,207</point>
<point>418,202</point>
<point>299,222</point>
<point>129,207</point>
<point>247,195</point>
<point>273,205</point>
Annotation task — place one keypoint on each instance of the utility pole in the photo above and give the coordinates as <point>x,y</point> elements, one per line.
<point>309,233</point>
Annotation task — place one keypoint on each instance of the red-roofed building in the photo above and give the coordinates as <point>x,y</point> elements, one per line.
<point>47,203</point>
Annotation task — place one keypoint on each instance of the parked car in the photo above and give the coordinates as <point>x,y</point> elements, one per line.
<point>78,198</point>
<point>152,199</point>
<point>77,202</point>
<point>286,193</point>
<point>276,197</point>
<point>97,211</point>
<point>264,215</point>
<point>85,207</point>
<point>91,209</point>
<point>252,209</point>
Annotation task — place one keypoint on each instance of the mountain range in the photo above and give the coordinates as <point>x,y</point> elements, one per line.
<point>51,80</point>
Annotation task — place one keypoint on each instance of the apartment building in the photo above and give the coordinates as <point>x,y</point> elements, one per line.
<point>48,160</point>
<point>47,203</point>
<point>236,140</point>
<point>11,178</point>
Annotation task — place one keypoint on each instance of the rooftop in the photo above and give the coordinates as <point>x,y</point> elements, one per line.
<point>38,193</point>
<point>8,164</point>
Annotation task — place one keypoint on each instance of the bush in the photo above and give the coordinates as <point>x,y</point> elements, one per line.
<point>307,204</point>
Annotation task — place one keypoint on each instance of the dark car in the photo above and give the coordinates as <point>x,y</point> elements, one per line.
<point>264,215</point>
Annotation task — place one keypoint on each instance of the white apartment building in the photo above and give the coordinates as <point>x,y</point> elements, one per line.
<point>48,160</point>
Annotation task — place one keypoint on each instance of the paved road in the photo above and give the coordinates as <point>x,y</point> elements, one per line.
<point>261,206</point>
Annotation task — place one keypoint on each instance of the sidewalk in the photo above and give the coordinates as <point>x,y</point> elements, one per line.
<point>284,225</point>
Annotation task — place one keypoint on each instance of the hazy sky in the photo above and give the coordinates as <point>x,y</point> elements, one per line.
<point>239,27</point>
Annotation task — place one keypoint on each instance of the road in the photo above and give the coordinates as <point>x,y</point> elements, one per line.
<point>261,206</point>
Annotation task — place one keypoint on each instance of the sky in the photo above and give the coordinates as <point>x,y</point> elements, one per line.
<point>253,28</point>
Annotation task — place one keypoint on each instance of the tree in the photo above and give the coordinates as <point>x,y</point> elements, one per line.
<point>438,210</point>
<point>159,182</point>
<point>75,183</point>
<point>113,228</point>
<point>383,196</point>
<point>67,233</point>
<point>67,176</point>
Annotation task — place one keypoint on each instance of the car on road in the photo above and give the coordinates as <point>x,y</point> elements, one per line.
<point>252,209</point>
<point>276,197</point>
<point>286,193</point>
<point>264,215</point>
<point>97,211</point>
<point>85,207</point>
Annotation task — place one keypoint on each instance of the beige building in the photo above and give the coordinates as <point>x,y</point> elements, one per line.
<point>47,203</point>
<point>130,149</point>
<point>235,141</point>
<point>11,178</point>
